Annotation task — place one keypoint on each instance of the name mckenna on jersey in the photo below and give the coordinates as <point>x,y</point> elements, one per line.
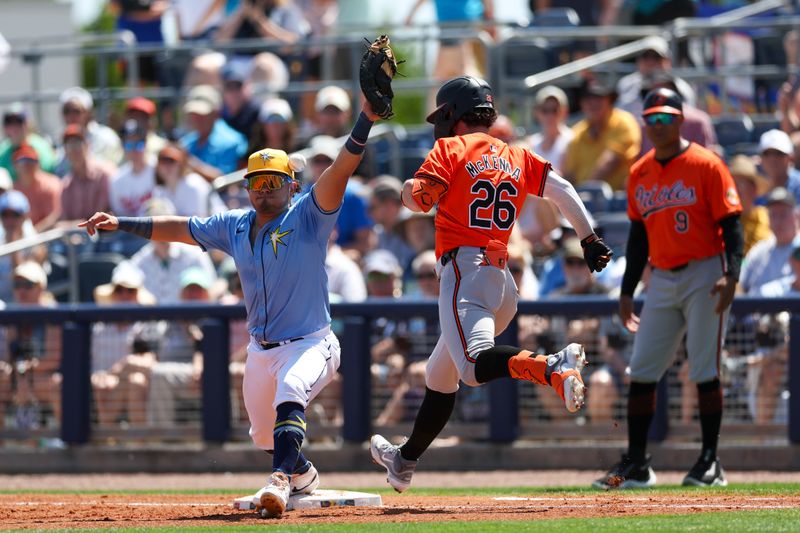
<point>492,162</point>
<point>657,198</point>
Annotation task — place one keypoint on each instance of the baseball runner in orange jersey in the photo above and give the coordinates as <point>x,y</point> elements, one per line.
<point>479,184</point>
<point>684,211</point>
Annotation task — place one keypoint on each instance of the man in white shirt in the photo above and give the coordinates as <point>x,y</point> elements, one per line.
<point>345,281</point>
<point>133,185</point>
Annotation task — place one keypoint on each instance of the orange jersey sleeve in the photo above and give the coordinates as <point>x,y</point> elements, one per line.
<point>681,204</point>
<point>480,184</point>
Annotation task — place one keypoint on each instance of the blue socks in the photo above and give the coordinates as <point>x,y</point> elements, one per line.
<point>290,430</point>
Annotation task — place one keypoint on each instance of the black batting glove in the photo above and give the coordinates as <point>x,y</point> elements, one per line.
<point>596,253</point>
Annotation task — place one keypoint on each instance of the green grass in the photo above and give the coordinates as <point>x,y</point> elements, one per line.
<point>745,489</point>
<point>742,521</point>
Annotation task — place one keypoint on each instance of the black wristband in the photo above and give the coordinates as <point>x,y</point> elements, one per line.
<point>141,226</point>
<point>358,137</point>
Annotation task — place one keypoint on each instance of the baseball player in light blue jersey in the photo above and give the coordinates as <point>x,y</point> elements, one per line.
<point>279,248</point>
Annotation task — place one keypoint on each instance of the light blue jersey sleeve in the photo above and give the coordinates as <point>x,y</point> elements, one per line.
<point>318,222</point>
<point>214,231</point>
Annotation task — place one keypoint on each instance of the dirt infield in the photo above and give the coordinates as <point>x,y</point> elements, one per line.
<point>37,511</point>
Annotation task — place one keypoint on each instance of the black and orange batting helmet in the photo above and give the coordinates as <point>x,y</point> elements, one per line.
<point>455,98</point>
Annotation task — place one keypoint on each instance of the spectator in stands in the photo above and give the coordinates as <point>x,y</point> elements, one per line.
<point>143,18</point>
<point>385,207</point>
<point>42,189</point>
<point>789,107</point>
<point>35,350</point>
<point>275,127</point>
<point>750,185</point>
<point>14,211</point>
<point>332,113</point>
<point>579,280</point>
<point>354,226</point>
<point>214,147</point>
<point>520,264</point>
<point>406,397</point>
<point>104,144</point>
<point>345,281</point>
<point>697,126</point>
<point>777,152</point>
<point>795,137</point>
<point>268,76</point>
<point>197,20</point>
<point>504,130</point>
<point>551,108</point>
<point>608,381</point>
<point>322,16</point>
<point>86,185</point>
<point>122,352</point>
<point>239,336</point>
<point>417,229</point>
<point>275,20</point>
<point>768,260</point>
<point>239,110</point>
<point>17,131</point>
<point>655,59</point>
<point>606,142</point>
<point>456,56</point>
<point>176,375</point>
<point>135,181</point>
<point>186,191</point>
<point>143,111</point>
<point>163,262</point>
<point>383,274</point>
<point>424,270</point>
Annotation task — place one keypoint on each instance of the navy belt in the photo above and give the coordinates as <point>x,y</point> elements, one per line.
<point>271,345</point>
<point>451,254</point>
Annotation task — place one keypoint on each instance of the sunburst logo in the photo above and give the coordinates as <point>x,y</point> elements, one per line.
<point>265,157</point>
<point>276,238</point>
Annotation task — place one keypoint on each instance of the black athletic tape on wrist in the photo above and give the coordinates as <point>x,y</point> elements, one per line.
<point>141,226</point>
<point>589,240</point>
<point>358,137</point>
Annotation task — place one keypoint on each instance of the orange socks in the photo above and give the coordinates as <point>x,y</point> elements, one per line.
<point>529,367</point>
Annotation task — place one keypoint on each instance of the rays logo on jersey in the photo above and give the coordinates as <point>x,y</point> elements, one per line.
<point>276,237</point>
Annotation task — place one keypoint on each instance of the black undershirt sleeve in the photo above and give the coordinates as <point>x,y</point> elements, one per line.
<point>636,254</point>
<point>733,236</point>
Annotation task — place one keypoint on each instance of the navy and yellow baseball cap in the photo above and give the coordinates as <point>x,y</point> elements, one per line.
<point>662,100</point>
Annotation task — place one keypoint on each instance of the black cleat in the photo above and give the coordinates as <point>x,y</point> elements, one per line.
<point>628,474</point>
<point>706,472</point>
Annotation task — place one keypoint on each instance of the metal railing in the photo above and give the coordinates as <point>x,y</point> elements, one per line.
<point>72,238</point>
<point>502,423</point>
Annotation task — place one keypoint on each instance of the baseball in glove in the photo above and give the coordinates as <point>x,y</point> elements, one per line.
<point>378,67</point>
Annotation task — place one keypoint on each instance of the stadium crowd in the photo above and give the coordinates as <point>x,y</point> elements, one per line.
<point>162,158</point>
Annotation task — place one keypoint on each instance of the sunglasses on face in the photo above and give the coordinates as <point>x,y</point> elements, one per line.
<point>267,182</point>
<point>660,118</point>
<point>167,160</point>
<point>71,111</point>
<point>21,284</point>
<point>119,289</point>
<point>10,214</point>
<point>10,121</point>
<point>133,146</point>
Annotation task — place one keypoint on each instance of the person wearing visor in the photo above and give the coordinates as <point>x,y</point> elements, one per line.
<point>684,210</point>
<point>279,248</point>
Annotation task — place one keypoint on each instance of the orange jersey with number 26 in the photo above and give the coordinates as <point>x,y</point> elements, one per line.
<point>480,184</point>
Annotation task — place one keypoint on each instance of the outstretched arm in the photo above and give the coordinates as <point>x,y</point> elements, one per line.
<point>159,228</point>
<point>329,189</point>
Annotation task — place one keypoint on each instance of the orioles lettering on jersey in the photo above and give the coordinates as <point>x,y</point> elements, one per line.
<point>657,198</point>
<point>479,184</point>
